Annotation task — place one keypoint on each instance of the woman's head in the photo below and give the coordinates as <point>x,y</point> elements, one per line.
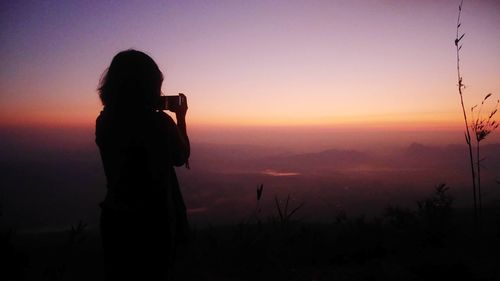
<point>133,80</point>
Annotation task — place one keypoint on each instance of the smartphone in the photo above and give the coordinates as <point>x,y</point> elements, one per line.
<point>171,102</point>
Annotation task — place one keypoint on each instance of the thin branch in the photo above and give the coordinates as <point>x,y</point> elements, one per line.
<point>460,87</point>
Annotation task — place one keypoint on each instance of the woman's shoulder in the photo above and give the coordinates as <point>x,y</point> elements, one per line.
<point>100,116</point>
<point>108,115</point>
<point>101,119</point>
<point>133,121</point>
<point>105,116</point>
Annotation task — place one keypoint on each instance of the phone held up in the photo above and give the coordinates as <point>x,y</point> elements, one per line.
<point>171,103</point>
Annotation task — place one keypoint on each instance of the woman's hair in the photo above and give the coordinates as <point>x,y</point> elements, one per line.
<point>132,80</point>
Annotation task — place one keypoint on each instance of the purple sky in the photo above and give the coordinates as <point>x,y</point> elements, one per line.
<point>253,62</point>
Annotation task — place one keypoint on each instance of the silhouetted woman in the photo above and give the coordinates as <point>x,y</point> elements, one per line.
<point>143,214</point>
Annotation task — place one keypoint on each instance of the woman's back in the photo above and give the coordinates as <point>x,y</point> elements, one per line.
<point>136,151</point>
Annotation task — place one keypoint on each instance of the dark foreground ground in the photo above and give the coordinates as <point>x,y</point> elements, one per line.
<point>430,242</point>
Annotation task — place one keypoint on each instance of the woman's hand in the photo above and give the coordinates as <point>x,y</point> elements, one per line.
<point>180,115</point>
<point>181,110</point>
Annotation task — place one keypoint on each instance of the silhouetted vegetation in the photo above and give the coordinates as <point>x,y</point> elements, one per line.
<point>285,211</point>
<point>427,241</point>
<point>57,271</point>
<point>19,265</point>
<point>480,124</point>
<point>13,261</point>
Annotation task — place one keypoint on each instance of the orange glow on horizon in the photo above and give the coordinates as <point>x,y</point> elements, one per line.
<point>389,121</point>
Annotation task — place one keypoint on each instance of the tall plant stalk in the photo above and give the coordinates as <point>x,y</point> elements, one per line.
<point>482,126</point>
<point>479,194</point>
<point>461,87</point>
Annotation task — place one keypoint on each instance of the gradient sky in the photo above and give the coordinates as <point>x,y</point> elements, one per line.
<point>390,63</point>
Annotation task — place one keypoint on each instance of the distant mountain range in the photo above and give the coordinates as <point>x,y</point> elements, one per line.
<point>52,185</point>
<point>415,155</point>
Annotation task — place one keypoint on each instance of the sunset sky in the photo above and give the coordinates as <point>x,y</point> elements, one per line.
<point>342,104</point>
<point>253,63</point>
